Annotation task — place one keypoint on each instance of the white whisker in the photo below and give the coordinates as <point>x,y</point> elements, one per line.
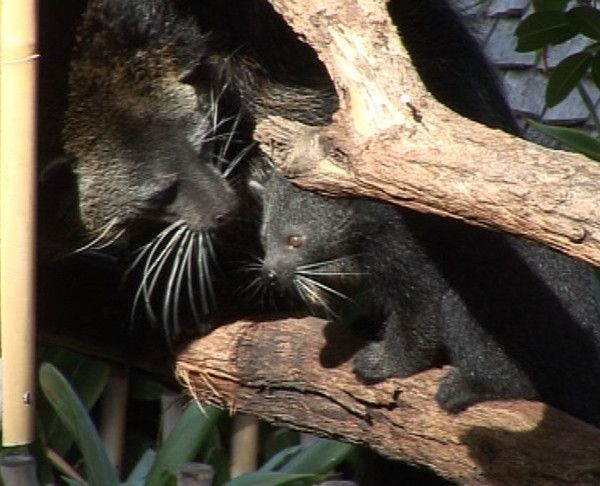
<point>100,237</point>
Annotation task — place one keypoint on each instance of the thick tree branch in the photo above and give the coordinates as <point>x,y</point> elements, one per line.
<point>289,372</point>
<point>391,140</point>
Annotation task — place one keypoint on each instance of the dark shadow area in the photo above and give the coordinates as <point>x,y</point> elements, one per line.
<point>496,452</point>
<point>342,341</point>
<point>450,62</point>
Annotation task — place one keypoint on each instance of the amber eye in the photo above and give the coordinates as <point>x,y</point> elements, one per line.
<point>295,241</point>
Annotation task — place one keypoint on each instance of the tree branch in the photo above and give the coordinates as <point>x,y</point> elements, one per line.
<point>297,372</point>
<point>391,140</point>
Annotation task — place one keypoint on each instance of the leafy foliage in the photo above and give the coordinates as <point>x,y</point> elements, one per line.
<point>195,431</point>
<point>551,24</point>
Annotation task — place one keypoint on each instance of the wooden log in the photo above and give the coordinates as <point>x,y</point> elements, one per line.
<point>298,373</point>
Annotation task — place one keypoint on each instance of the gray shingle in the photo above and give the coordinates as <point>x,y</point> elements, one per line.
<point>500,47</point>
<point>507,8</point>
<point>524,91</point>
<point>559,52</point>
<point>572,110</point>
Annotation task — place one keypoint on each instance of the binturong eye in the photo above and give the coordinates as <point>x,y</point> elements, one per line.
<point>295,241</point>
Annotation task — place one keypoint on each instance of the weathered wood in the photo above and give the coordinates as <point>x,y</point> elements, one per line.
<point>391,140</point>
<point>298,373</point>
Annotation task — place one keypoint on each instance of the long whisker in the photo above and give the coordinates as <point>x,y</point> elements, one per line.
<point>310,266</point>
<point>145,248</point>
<point>154,266</point>
<point>151,263</point>
<point>181,266</point>
<point>100,237</point>
<point>149,247</point>
<point>331,274</point>
<point>316,296</point>
<point>203,296</point>
<point>208,280</point>
<point>236,160</point>
<point>169,292</point>
<point>326,288</point>
<point>189,257</point>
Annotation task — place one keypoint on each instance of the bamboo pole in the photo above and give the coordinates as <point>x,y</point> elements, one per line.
<point>244,444</point>
<point>113,416</point>
<point>17,216</point>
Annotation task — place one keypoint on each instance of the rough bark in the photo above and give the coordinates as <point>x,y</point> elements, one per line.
<point>391,140</point>
<point>298,372</point>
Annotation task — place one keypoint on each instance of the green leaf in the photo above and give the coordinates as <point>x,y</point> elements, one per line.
<point>273,479</point>
<point>71,482</point>
<point>88,377</point>
<point>541,5</point>
<point>183,442</point>
<point>280,458</point>
<point>565,77</point>
<point>571,138</point>
<point>586,20</point>
<point>74,416</point>
<point>543,28</point>
<point>140,471</point>
<point>320,457</point>
<point>596,69</point>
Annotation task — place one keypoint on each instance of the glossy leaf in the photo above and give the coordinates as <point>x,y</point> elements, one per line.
<point>273,479</point>
<point>184,442</point>
<point>586,20</point>
<point>541,5</point>
<point>75,418</point>
<point>140,471</point>
<point>543,28</point>
<point>320,457</point>
<point>280,458</point>
<point>571,138</point>
<point>565,77</point>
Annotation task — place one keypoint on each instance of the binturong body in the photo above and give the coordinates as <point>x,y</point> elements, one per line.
<point>515,319</point>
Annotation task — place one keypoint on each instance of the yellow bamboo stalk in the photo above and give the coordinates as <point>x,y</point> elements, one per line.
<point>17,216</point>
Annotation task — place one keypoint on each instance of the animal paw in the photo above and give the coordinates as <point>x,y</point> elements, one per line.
<point>371,364</point>
<point>455,394</point>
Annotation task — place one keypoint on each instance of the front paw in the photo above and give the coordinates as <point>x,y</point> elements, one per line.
<point>371,365</point>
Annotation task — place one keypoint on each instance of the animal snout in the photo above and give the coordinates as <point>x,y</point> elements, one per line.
<point>278,273</point>
<point>270,277</point>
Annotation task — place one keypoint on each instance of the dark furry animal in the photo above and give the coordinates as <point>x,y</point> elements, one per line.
<point>154,152</point>
<point>515,319</point>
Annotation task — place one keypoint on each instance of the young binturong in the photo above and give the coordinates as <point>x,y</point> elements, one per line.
<point>515,319</point>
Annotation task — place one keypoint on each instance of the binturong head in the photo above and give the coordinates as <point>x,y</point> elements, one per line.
<point>149,144</point>
<point>309,244</point>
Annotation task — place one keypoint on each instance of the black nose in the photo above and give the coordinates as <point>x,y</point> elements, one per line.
<point>270,278</point>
